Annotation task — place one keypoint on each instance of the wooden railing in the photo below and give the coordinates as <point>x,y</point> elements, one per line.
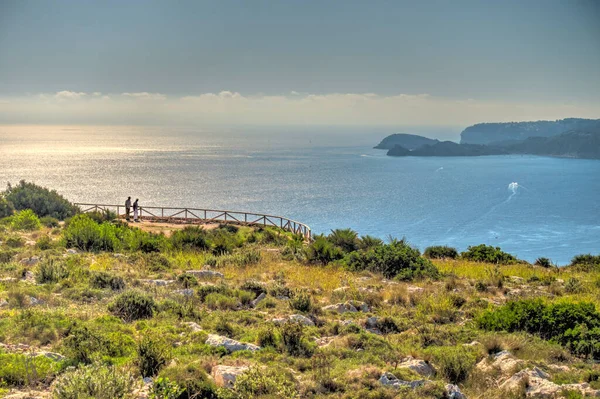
<point>203,216</point>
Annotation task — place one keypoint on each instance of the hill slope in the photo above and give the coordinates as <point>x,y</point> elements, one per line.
<point>408,141</point>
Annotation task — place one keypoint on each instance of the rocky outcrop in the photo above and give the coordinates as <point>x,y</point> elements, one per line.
<point>158,282</point>
<point>420,367</point>
<point>536,384</point>
<point>503,361</point>
<point>350,306</point>
<point>230,344</point>
<point>204,273</point>
<point>298,318</point>
<point>258,299</point>
<point>225,376</point>
<point>390,380</point>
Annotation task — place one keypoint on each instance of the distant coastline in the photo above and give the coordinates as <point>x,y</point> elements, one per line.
<point>565,138</point>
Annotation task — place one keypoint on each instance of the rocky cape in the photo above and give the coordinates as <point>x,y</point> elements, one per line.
<point>583,142</point>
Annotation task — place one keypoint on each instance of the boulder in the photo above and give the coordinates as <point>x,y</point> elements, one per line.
<point>50,355</point>
<point>185,292</point>
<point>193,326</point>
<point>230,344</point>
<point>453,392</point>
<point>537,384</point>
<point>258,299</point>
<point>225,376</point>
<point>34,260</point>
<point>3,303</point>
<point>420,367</point>
<point>390,380</point>
<point>159,282</point>
<point>363,307</point>
<point>72,251</point>
<point>295,318</point>
<point>503,361</point>
<point>350,306</point>
<point>205,273</point>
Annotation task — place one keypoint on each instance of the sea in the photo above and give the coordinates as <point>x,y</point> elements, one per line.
<point>328,178</point>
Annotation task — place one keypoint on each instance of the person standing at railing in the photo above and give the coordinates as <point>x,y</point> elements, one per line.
<point>135,210</point>
<point>127,208</point>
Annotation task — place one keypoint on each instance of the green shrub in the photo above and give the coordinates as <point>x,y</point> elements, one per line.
<point>254,286</point>
<point>51,271</point>
<point>190,238</point>
<point>345,239</point>
<point>85,234</point>
<point>25,220</point>
<point>301,302</point>
<point>81,344</point>
<point>163,388</point>
<point>94,381</point>
<point>543,262</point>
<point>440,252</point>
<point>454,363</point>
<point>269,383</point>
<point>103,280</point>
<point>49,221</point>
<point>367,242</point>
<point>6,207</point>
<point>23,370</point>
<point>104,215</point>
<point>205,290</point>
<point>223,327</point>
<point>133,305</point>
<point>152,355</point>
<point>394,260</point>
<point>587,262</point>
<point>86,343</point>
<point>217,301</point>
<point>138,240</point>
<point>44,243</point>
<point>192,379</point>
<point>294,343</point>
<point>488,254</point>
<point>322,251</point>
<point>15,242</point>
<point>573,325</point>
<point>40,200</point>
<point>266,338</point>
<point>573,286</point>
<point>187,280</point>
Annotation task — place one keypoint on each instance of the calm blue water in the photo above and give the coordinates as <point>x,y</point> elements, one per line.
<point>325,179</point>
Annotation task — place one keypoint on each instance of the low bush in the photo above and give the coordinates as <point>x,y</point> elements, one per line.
<point>15,242</point>
<point>133,305</point>
<point>367,242</point>
<point>440,252</point>
<point>394,260</point>
<point>23,370</point>
<point>6,207</point>
<point>253,286</point>
<point>454,363</point>
<point>163,388</point>
<point>345,239</point>
<point>217,301</point>
<point>322,251</point>
<point>104,280</point>
<point>293,341</point>
<point>265,383</point>
<point>573,325</point>
<point>152,354</point>
<point>25,220</point>
<point>40,200</point>
<point>587,262</point>
<point>488,254</point>
<point>49,221</point>
<point>192,380</point>
<point>190,238</point>
<point>94,381</point>
<point>543,262</point>
<point>44,243</point>
<point>187,280</point>
<point>85,234</point>
<point>205,290</point>
<point>86,343</point>
<point>573,286</point>
<point>301,302</point>
<point>266,337</point>
<point>51,271</point>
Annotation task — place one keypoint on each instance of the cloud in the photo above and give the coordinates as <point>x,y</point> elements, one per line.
<point>230,108</point>
<point>69,95</point>
<point>145,95</point>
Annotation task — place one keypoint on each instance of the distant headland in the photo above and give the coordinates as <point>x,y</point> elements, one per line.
<point>569,138</point>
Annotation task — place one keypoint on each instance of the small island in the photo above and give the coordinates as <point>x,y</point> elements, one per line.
<point>544,138</point>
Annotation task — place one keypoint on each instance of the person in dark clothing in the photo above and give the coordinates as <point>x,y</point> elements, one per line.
<point>127,208</point>
<point>135,210</point>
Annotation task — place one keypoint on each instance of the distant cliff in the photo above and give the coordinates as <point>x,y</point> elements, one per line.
<point>408,141</point>
<point>572,144</point>
<point>504,133</point>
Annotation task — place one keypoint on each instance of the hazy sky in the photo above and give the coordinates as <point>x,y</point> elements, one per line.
<point>298,62</point>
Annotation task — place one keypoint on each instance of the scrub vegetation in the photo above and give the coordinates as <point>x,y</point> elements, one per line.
<point>91,307</point>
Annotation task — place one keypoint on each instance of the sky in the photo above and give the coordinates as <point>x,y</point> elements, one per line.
<point>363,63</point>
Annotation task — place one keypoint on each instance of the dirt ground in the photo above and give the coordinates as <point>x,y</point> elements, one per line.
<point>166,228</point>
